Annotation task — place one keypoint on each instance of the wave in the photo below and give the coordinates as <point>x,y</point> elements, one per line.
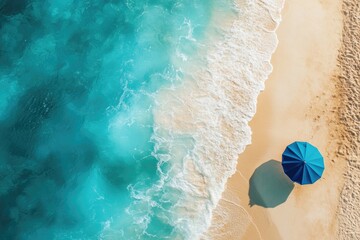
<point>201,125</point>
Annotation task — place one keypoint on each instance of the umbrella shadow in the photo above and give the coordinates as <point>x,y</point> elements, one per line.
<point>269,186</point>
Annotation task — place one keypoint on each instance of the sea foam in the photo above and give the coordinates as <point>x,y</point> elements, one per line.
<point>202,123</point>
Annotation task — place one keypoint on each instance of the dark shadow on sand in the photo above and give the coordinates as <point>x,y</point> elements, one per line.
<point>269,186</point>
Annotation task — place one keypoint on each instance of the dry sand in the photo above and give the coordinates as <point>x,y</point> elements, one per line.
<point>312,95</point>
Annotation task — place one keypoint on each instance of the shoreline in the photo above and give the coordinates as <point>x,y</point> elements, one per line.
<point>304,66</point>
<point>211,109</point>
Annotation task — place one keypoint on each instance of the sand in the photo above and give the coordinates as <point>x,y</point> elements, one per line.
<point>349,112</point>
<point>308,97</point>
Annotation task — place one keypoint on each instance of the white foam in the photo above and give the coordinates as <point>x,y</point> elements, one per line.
<point>202,124</point>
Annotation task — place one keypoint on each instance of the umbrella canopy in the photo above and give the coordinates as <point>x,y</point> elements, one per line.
<point>302,162</point>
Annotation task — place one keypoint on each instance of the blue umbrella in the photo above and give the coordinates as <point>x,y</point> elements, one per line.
<point>303,163</point>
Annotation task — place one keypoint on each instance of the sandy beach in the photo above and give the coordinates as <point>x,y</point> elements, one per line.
<point>303,100</point>
<point>168,119</point>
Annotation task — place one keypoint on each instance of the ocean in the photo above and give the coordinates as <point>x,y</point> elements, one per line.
<point>123,119</point>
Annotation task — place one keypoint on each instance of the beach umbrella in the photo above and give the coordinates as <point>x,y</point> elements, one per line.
<point>302,162</point>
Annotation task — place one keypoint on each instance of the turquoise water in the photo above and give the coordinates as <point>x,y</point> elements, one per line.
<point>77,85</point>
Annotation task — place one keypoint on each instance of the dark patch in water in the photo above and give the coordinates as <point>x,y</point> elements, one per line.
<point>12,7</point>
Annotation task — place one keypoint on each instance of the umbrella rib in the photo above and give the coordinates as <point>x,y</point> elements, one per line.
<point>292,167</point>
<point>289,161</point>
<point>299,173</point>
<point>290,155</point>
<point>306,150</point>
<point>298,144</point>
<point>295,153</point>
<point>315,167</point>
<point>304,176</point>
<point>312,170</point>
<point>314,164</point>
<point>315,158</point>
<point>294,176</point>
<point>308,174</point>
